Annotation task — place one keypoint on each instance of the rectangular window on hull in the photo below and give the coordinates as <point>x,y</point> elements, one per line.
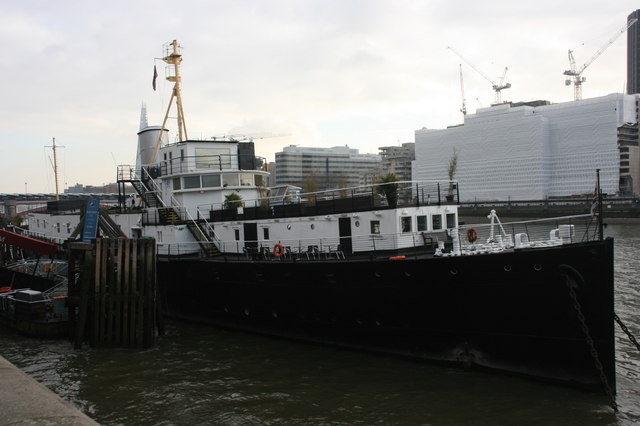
<point>436,221</point>
<point>176,184</point>
<point>406,223</point>
<point>451,220</point>
<point>422,223</point>
<point>237,234</point>
<point>265,233</point>
<point>375,227</point>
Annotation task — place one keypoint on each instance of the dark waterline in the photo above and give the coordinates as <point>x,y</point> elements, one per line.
<point>203,375</point>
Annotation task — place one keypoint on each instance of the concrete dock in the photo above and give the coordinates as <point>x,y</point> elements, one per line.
<point>24,401</point>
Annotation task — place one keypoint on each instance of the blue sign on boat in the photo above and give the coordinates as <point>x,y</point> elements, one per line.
<point>91,220</point>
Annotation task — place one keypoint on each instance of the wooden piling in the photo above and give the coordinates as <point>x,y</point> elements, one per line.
<point>116,294</point>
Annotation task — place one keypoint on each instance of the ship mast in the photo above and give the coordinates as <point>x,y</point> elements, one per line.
<point>55,166</point>
<point>173,59</point>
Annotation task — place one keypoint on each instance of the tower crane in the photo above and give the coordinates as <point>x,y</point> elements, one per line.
<point>575,74</point>
<point>497,87</point>
<point>463,110</point>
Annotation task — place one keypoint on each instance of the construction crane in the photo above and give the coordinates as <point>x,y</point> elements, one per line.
<point>576,74</point>
<point>497,87</point>
<point>463,110</point>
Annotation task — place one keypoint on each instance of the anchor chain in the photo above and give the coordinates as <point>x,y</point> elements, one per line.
<point>569,281</point>
<point>626,330</point>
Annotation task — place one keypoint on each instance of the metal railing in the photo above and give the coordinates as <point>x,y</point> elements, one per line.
<point>455,241</point>
<point>354,199</point>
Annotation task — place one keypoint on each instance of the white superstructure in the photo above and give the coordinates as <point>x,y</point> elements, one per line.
<point>530,152</point>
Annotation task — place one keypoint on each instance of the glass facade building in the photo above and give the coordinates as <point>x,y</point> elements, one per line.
<point>532,151</point>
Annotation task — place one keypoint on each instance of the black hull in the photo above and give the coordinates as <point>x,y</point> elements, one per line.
<point>511,311</point>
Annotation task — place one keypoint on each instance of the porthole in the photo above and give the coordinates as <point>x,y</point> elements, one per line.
<point>537,267</point>
<point>453,271</point>
<point>357,223</point>
<point>313,226</point>
<point>274,314</point>
<point>288,226</point>
<point>507,268</point>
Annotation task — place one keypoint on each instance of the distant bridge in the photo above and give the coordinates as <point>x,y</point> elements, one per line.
<point>25,203</point>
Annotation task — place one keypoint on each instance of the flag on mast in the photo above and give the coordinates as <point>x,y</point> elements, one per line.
<point>155,76</point>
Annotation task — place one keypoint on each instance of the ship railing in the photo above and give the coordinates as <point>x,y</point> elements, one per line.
<point>308,248</point>
<point>454,241</point>
<point>38,235</point>
<point>208,163</point>
<point>352,199</point>
<point>526,233</point>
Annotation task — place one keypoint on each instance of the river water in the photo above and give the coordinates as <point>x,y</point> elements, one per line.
<point>200,375</point>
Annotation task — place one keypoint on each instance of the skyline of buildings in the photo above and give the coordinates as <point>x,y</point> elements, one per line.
<point>544,164</point>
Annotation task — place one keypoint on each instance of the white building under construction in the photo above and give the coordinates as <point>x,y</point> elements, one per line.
<point>537,150</point>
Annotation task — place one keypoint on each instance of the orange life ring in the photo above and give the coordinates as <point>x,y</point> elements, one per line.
<point>278,250</point>
<point>472,235</point>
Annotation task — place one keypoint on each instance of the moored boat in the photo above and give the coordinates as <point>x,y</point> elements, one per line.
<point>384,267</point>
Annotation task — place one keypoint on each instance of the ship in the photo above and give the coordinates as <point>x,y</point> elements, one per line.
<point>33,294</point>
<point>385,268</point>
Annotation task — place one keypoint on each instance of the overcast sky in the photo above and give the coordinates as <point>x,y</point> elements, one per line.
<point>363,73</point>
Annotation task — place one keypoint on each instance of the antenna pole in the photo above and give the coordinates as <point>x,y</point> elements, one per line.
<point>55,166</point>
<point>173,58</point>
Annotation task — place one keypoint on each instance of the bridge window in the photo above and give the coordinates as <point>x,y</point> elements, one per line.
<point>191,182</point>
<point>246,179</point>
<point>209,181</point>
<point>230,179</point>
<point>213,158</point>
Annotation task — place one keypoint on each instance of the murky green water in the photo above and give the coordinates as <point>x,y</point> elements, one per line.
<point>202,375</point>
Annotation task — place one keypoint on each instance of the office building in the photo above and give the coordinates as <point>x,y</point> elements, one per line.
<point>533,151</point>
<point>323,168</point>
<point>398,160</point>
